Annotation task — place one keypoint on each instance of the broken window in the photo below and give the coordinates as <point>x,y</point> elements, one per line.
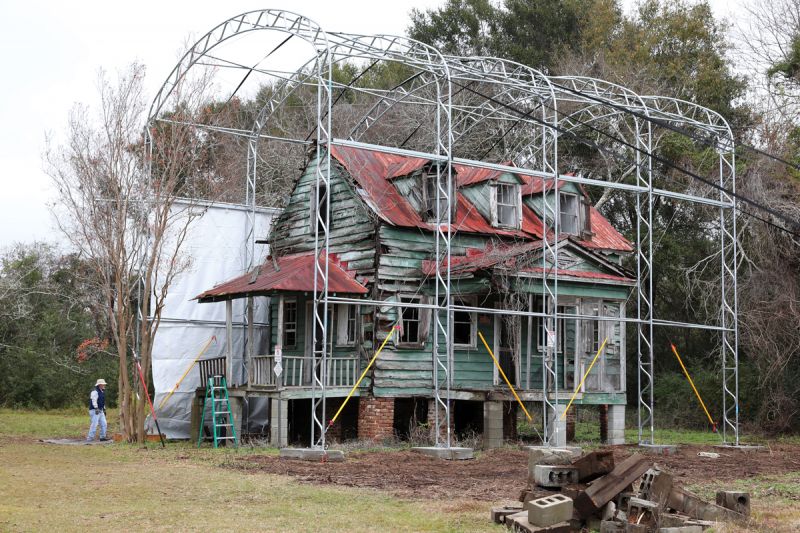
<point>507,205</point>
<point>289,323</point>
<point>410,321</point>
<point>568,220</point>
<point>320,209</point>
<point>430,192</point>
<point>464,325</point>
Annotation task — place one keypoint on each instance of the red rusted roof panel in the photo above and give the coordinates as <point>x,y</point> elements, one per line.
<point>581,274</point>
<point>373,171</point>
<point>605,237</point>
<point>296,273</point>
<point>483,259</point>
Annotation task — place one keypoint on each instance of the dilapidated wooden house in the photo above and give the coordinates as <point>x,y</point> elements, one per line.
<point>382,208</point>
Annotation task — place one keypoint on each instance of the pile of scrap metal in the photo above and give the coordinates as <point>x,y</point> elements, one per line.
<point>571,492</point>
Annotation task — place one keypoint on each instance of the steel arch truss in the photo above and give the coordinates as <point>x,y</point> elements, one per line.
<point>525,115</point>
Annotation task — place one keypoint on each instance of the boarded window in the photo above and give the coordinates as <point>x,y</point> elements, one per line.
<point>508,207</point>
<point>568,221</point>
<point>289,324</point>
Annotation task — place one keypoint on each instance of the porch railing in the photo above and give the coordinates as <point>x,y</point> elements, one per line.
<point>341,371</point>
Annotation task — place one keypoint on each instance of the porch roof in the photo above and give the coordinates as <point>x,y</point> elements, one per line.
<point>294,273</point>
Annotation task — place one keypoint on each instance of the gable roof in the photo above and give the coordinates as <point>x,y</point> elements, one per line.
<point>373,171</point>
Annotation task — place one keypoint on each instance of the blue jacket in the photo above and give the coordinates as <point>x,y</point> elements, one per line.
<point>97,399</point>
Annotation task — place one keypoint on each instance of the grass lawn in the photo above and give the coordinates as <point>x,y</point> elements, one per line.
<point>181,488</point>
<point>121,487</point>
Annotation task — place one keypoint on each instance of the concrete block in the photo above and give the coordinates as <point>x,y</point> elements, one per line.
<point>554,476</point>
<point>541,455</point>
<point>499,514</point>
<point>659,449</point>
<point>521,525</point>
<point>557,426</point>
<point>312,454</point>
<point>610,526</point>
<point>681,529</point>
<point>608,511</point>
<point>450,454</point>
<point>549,510</point>
<point>636,528</point>
<point>655,486</point>
<point>492,424</point>
<point>735,501</point>
<point>616,424</point>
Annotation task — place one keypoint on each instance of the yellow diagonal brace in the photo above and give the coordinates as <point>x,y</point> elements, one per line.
<point>504,376</point>
<point>364,373</point>
<point>675,351</point>
<point>178,384</point>
<point>585,375</point>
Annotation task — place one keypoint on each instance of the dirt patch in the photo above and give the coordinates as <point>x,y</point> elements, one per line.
<point>501,474</point>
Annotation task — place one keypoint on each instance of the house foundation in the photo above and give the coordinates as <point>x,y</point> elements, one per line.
<point>375,418</point>
<point>616,424</point>
<point>492,424</point>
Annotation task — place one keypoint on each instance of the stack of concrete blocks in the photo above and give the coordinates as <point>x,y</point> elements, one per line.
<point>616,424</point>
<point>492,425</point>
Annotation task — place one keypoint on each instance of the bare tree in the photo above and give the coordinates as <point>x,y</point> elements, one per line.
<point>117,207</point>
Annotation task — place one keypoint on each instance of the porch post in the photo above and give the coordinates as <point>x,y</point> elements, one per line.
<point>250,340</point>
<point>229,341</point>
<point>279,340</point>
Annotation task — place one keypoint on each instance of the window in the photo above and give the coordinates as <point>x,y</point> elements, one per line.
<point>568,221</point>
<point>508,205</point>
<point>541,330</point>
<point>289,323</point>
<point>464,326</point>
<point>429,195</point>
<point>595,340</point>
<point>410,318</point>
<point>346,316</point>
<point>320,207</point>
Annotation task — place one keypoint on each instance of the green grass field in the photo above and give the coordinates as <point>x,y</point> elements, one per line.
<point>181,488</point>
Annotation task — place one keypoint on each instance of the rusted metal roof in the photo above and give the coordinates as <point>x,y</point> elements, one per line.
<point>373,171</point>
<point>476,260</point>
<point>580,274</point>
<point>605,237</point>
<point>294,273</point>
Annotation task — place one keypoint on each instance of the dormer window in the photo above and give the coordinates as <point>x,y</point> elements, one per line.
<point>429,191</point>
<point>569,219</point>
<point>507,210</point>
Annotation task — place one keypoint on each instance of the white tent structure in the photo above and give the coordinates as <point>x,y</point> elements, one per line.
<point>218,250</point>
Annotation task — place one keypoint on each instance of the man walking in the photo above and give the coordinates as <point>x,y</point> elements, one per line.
<point>97,411</point>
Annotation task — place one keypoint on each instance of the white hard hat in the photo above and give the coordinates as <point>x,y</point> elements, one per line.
<point>100,381</point>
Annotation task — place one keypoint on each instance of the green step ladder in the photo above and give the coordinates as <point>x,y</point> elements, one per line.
<point>224,428</point>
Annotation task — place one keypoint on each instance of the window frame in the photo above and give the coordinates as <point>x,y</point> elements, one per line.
<point>473,319</point>
<point>516,198</point>
<point>315,224</point>
<point>576,215</point>
<point>540,325</point>
<point>352,321</point>
<point>408,298</point>
<point>429,197</point>
<point>286,302</point>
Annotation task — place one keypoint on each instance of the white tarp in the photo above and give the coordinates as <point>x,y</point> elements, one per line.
<point>217,245</point>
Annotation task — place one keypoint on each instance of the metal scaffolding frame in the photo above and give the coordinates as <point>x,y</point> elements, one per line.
<point>528,112</point>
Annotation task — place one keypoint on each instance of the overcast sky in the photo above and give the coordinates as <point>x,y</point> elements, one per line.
<point>51,52</point>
